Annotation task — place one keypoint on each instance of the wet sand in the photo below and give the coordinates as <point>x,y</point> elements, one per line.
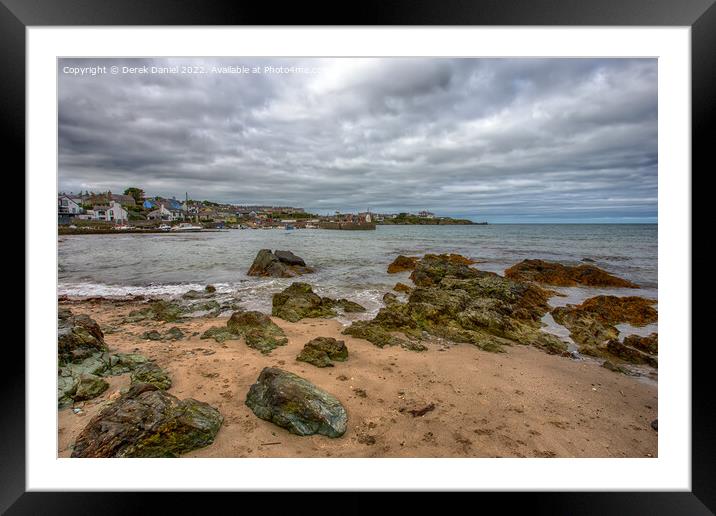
<point>523,403</point>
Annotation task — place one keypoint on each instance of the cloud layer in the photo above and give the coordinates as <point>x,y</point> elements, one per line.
<point>503,140</point>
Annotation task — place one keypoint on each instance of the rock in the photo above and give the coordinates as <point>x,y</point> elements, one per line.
<point>282,265</point>
<point>89,386</point>
<point>402,287</point>
<point>196,294</point>
<point>299,301</point>
<point>592,326</point>
<point>402,263</point>
<point>289,258</point>
<point>78,337</point>
<point>174,333</point>
<point>321,351</point>
<point>151,373</point>
<point>294,403</point>
<point>552,273</point>
<point>655,424</point>
<point>220,334</point>
<point>210,289</point>
<point>147,422</point>
<point>348,306</point>
<point>161,310</point>
<point>390,298</point>
<point>258,330</point>
<point>152,335</point>
<point>648,344</point>
<point>461,304</point>
<point>612,367</point>
<point>589,260</point>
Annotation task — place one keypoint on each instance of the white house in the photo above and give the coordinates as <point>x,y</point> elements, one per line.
<point>67,206</point>
<point>112,213</point>
<point>161,213</point>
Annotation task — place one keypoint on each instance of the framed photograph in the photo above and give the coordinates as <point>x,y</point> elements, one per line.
<point>431,251</point>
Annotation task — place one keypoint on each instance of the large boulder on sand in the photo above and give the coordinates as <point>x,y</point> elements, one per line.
<point>78,336</point>
<point>322,351</point>
<point>148,422</point>
<point>281,264</point>
<point>296,404</point>
<point>552,273</point>
<point>258,330</point>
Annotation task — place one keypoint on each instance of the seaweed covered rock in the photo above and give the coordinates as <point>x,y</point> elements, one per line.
<point>220,334</point>
<point>150,372</point>
<point>148,422</point>
<point>89,386</point>
<point>151,335</point>
<point>403,263</point>
<point>322,351</point>
<point>402,287</point>
<point>298,301</point>
<point>160,310</point>
<point>281,264</point>
<point>78,337</point>
<point>82,380</point>
<point>592,325</point>
<point>294,403</point>
<point>552,273</point>
<point>258,330</point>
<point>462,304</point>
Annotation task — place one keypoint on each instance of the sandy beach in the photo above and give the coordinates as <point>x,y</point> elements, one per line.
<point>522,403</point>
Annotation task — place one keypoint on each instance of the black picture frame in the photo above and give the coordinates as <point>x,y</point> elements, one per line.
<point>17,15</point>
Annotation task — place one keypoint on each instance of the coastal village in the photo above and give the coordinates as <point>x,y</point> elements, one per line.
<point>132,210</point>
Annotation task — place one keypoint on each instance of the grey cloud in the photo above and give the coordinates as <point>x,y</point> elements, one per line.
<point>491,139</point>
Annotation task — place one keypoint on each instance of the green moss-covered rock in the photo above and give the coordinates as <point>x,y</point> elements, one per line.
<point>258,330</point>
<point>294,403</point>
<point>78,337</point>
<point>298,301</point>
<point>152,335</point>
<point>161,310</point>
<point>459,303</point>
<point>220,334</point>
<point>174,333</point>
<point>322,351</point>
<point>89,386</point>
<point>150,372</point>
<point>148,422</point>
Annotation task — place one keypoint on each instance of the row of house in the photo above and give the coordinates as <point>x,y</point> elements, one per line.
<point>68,208</point>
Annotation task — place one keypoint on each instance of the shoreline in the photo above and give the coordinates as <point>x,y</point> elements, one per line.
<point>522,403</point>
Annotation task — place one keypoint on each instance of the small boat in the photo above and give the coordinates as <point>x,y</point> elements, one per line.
<point>165,227</point>
<point>122,227</point>
<point>289,227</point>
<point>186,226</point>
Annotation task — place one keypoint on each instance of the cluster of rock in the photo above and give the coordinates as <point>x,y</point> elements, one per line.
<point>298,301</point>
<point>592,326</point>
<point>173,333</point>
<point>294,403</point>
<point>257,329</point>
<point>177,310</point>
<point>460,303</point>
<point>278,264</point>
<point>557,274</point>
<point>145,421</point>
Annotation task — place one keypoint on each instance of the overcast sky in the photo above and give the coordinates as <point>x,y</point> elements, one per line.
<point>501,140</point>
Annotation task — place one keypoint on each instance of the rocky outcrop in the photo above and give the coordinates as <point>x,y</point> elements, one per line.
<point>298,301</point>
<point>281,264</point>
<point>89,386</point>
<point>592,326</point>
<point>403,263</point>
<point>258,330</point>
<point>552,273</point>
<point>294,403</point>
<point>78,337</point>
<point>322,351</point>
<point>148,422</point>
<point>462,304</point>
